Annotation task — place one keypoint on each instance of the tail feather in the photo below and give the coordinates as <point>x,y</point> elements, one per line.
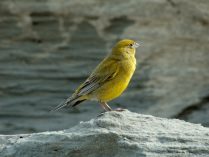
<point>61,105</point>
<point>78,102</point>
<point>69,102</point>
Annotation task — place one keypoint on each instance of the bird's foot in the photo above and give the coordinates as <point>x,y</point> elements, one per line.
<point>119,109</point>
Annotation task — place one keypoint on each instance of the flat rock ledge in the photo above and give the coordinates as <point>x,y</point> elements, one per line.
<point>114,134</point>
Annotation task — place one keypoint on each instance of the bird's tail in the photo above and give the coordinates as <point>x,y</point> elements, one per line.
<point>72,102</point>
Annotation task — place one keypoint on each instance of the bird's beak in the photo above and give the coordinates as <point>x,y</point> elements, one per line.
<point>136,45</point>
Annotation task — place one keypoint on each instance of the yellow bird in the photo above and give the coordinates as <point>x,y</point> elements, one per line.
<point>109,79</point>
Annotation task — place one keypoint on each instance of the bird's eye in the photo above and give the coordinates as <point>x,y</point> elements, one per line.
<point>131,45</point>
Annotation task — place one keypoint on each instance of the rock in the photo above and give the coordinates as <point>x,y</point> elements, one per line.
<point>118,134</point>
<point>49,47</point>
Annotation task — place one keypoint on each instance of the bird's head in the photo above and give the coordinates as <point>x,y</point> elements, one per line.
<point>125,48</point>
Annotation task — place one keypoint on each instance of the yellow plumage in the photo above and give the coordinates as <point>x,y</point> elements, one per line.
<point>110,78</point>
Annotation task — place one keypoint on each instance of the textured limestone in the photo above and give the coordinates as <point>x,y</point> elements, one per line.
<point>48,47</point>
<point>115,134</point>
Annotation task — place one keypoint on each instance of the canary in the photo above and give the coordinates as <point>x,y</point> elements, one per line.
<point>110,78</point>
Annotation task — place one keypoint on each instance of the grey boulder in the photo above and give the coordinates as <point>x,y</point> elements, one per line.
<point>113,134</point>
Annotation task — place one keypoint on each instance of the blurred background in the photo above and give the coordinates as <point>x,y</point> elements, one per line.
<point>48,47</point>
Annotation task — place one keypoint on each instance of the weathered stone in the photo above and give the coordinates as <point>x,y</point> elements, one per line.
<point>118,134</point>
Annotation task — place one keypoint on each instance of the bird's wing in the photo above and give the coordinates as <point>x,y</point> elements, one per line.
<point>104,72</point>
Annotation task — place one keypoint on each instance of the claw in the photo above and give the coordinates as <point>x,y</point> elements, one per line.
<point>119,109</point>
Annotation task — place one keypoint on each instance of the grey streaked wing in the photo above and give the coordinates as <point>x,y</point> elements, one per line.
<point>89,86</point>
<point>93,83</point>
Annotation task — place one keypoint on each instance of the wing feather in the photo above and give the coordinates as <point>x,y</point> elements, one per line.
<point>105,71</point>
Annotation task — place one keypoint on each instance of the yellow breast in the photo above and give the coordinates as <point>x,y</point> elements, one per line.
<point>116,86</point>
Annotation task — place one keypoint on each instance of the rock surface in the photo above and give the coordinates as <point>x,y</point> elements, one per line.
<point>48,47</point>
<point>115,134</point>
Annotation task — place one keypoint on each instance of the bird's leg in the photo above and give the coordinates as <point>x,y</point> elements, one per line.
<point>105,106</point>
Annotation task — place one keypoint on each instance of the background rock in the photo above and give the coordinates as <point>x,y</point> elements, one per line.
<point>48,47</point>
<point>118,134</point>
